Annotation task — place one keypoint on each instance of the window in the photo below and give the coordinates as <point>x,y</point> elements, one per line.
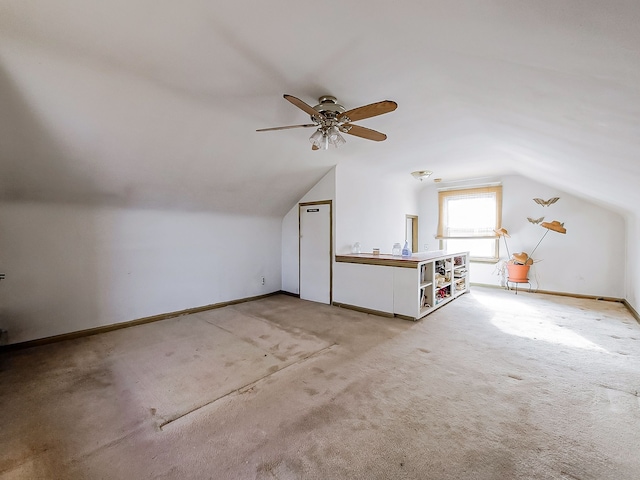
<point>467,220</point>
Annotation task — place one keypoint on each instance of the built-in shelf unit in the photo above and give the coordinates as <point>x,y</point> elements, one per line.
<point>405,287</point>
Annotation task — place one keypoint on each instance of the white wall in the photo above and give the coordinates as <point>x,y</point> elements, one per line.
<point>632,261</point>
<point>367,208</point>
<point>371,209</point>
<point>325,189</point>
<point>71,268</point>
<point>588,260</point>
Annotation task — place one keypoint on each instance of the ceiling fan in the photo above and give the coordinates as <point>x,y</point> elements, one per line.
<point>331,119</point>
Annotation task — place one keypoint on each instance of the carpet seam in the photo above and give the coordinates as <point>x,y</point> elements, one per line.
<point>244,387</point>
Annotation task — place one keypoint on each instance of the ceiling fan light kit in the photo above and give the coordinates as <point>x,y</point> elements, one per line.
<point>331,120</point>
<point>325,136</point>
<point>421,174</point>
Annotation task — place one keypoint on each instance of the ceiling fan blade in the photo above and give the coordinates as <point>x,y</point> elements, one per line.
<point>363,132</point>
<point>369,111</point>
<point>287,127</point>
<point>303,106</point>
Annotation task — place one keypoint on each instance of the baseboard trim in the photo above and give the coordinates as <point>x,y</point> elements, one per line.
<point>363,310</point>
<point>632,310</point>
<point>283,292</point>
<point>164,316</point>
<point>578,295</point>
<point>560,294</point>
<point>131,323</point>
<point>486,285</point>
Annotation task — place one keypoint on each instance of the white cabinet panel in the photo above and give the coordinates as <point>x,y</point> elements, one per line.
<point>405,301</point>
<point>365,286</point>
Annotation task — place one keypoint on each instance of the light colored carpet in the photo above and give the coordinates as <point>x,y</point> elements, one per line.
<point>491,386</point>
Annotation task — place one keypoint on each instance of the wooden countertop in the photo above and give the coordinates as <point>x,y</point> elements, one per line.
<point>392,261</point>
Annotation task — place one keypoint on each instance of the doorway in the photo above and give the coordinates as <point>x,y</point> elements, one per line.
<point>411,232</point>
<point>316,251</point>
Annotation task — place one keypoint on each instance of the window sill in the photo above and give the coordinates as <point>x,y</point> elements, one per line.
<point>483,260</point>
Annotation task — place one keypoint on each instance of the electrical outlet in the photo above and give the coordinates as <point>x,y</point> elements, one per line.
<point>262,280</point>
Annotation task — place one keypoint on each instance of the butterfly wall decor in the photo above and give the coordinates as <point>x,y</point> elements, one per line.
<point>546,203</point>
<point>535,220</point>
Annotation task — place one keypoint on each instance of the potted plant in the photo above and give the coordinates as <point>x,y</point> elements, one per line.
<point>519,264</point>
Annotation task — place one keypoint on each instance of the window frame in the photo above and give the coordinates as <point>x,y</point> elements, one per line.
<point>445,194</point>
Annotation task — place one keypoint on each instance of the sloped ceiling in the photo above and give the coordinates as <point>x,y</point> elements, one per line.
<point>155,104</point>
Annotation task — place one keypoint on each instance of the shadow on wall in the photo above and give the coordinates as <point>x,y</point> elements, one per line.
<point>45,248</point>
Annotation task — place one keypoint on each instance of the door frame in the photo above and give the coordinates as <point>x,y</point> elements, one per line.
<point>307,204</point>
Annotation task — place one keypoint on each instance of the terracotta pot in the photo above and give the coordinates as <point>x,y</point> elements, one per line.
<point>518,273</point>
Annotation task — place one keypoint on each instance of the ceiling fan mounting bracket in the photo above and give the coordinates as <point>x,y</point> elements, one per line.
<point>327,99</point>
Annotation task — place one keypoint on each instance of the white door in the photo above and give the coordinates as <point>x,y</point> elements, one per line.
<point>315,252</point>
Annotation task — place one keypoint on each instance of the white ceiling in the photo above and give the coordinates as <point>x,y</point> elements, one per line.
<point>155,104</point>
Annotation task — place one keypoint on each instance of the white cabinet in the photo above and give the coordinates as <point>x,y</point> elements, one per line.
<point>419,284</point>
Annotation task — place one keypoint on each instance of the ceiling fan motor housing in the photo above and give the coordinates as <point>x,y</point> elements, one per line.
<point>329,107</point>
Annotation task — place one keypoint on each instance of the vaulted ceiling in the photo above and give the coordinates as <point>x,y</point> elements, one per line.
<point>155,104</point>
